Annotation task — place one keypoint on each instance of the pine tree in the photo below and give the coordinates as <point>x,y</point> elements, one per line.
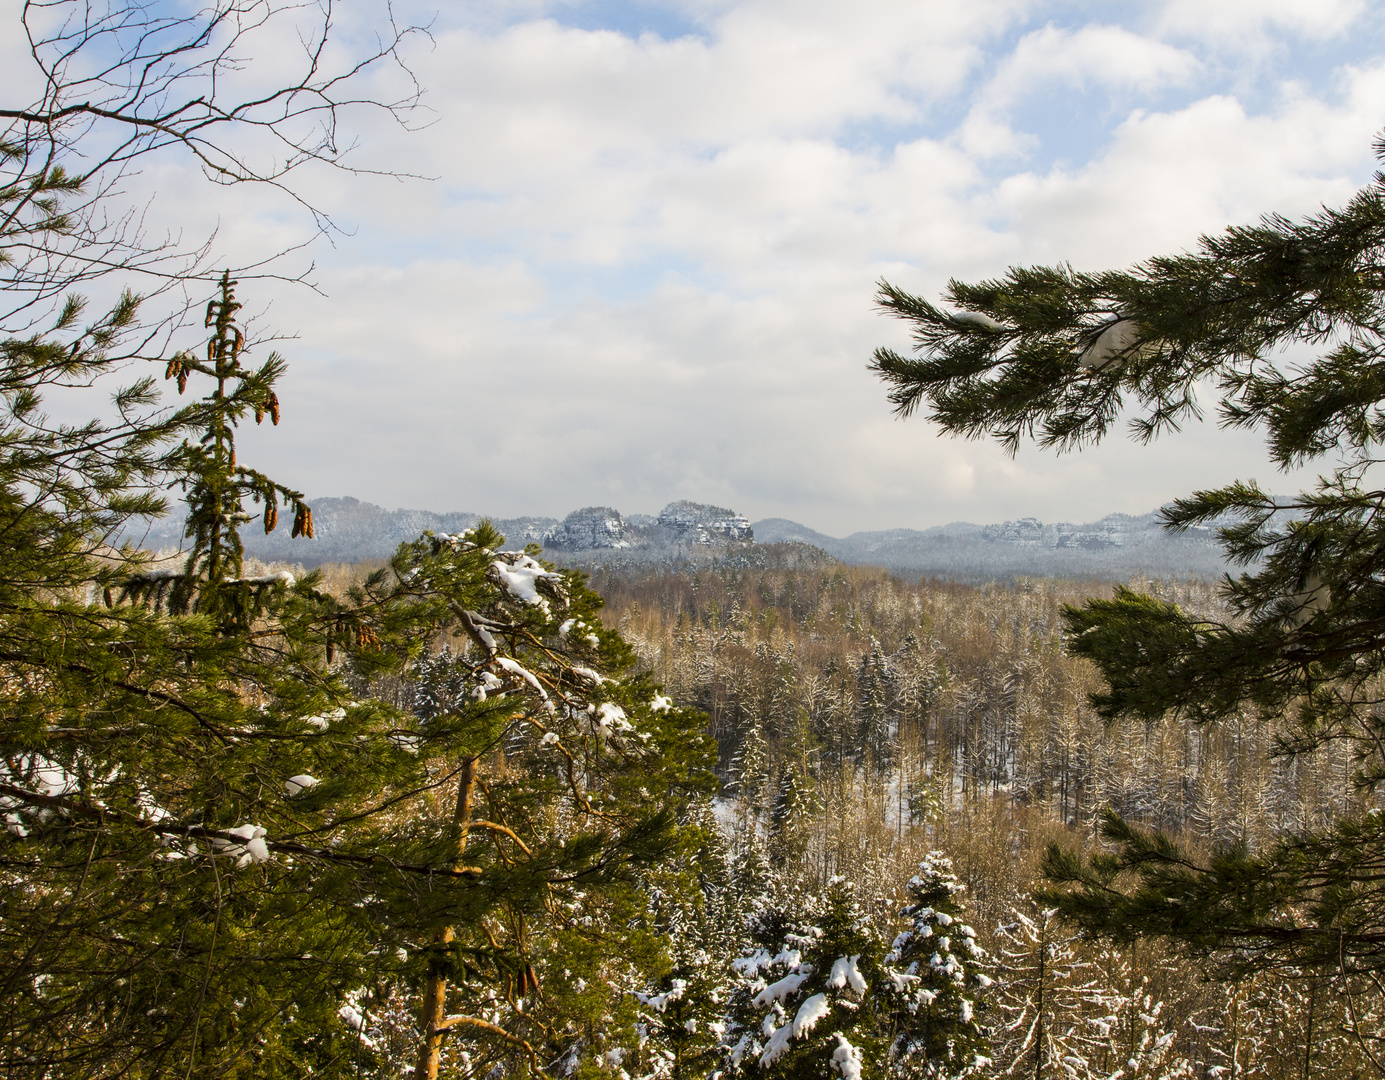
<point>1055,355</point>
<point>581,799</point>
<point>228,854</point>
<point>155,743</point>
<point>937,985</point>
<point>754,882</point>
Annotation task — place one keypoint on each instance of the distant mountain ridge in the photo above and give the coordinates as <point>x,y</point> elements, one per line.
<point>1114,547</point>
<point>347,530</point>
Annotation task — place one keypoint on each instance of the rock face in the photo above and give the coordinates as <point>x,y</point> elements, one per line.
<point>1106,534</point>
<point>1024,531</point>
<point>696,523</point>
<point>589,529</point>
<point>1114,530</point>
<point>680,525</point>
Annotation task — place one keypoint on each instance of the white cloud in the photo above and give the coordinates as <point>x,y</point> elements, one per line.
<point>1228,24</point>
<point>1089,57</point>
<point>646,268</point>
<point>1053,60</point>
<point>1169,177</point>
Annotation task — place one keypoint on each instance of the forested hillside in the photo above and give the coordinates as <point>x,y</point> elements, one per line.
<point>863,721</point>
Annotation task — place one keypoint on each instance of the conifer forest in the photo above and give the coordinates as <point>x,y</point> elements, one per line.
<point>468,812</point>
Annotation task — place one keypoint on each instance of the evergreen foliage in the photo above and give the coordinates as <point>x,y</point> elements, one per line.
<point>217,833</point>
<point>1055,355</point>
<point>939,1021</point>
<point>813,995</point>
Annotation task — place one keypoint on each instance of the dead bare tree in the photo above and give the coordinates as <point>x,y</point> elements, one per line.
<point>252,91</point>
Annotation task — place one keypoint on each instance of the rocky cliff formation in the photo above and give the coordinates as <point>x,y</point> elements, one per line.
<point>697,523</point>
<point>591,528</point>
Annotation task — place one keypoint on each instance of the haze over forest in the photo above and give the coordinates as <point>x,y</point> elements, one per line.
<point>684,532</point>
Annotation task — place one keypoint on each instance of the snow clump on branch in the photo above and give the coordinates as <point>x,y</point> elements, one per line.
<point>524,578</point>
<point>249,847</point>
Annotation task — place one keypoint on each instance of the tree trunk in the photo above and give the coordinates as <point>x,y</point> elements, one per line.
<point>1039,1054</point>
<point>435,993</point>
<point>1308,1035</point>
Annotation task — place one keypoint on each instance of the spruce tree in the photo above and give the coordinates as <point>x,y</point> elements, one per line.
<point>813,997</point>
<point>789,818</point>
<point>1057,355</point>
<point>873,704</point>
<point>748,773</point>
<point>938,988</point>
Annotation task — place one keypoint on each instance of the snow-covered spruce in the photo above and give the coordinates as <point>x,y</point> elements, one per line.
<point>811,983</point>
<point>936,991</point>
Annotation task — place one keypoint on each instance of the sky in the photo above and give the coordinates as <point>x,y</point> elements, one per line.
<point>639,260</point>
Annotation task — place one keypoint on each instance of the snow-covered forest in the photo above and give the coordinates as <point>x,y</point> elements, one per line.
<point>892,761</point>
<point>864,721</point>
